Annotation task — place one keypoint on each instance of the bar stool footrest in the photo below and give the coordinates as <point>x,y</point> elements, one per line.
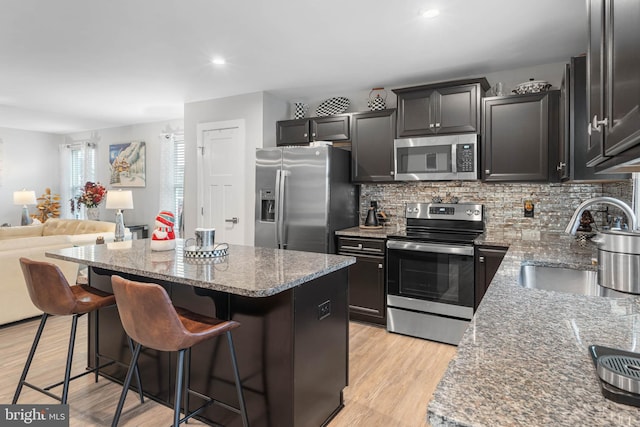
<point>89,371</point>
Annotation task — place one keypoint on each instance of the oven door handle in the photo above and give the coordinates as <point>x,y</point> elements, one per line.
<point>429,247</point>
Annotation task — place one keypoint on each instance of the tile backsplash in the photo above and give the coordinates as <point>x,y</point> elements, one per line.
<point>504,203</point>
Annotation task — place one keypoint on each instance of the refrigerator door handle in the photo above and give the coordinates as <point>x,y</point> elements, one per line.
<point>278,213</point>
<point>281,195</point>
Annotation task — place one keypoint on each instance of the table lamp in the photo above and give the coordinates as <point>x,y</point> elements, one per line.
<point>119,200</point>
<point>24,198</point>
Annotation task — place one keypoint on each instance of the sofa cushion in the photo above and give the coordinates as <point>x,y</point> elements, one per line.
<point>22,231</point>
<point>57,226</point>
<point>33,242</point>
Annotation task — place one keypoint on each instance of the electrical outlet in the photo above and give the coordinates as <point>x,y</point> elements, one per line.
<point>324,310</point>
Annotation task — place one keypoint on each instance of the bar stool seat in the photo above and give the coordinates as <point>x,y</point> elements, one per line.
<point>50,292</point>
<point>151,320</point>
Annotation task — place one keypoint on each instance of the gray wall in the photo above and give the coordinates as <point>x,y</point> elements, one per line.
<point>146,201</point>
<point>260,112</point>
<point>359,98</point>
<point>28,160</point>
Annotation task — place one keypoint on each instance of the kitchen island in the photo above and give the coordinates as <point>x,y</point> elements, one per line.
<point>292,346</point>
<point>524,359</point>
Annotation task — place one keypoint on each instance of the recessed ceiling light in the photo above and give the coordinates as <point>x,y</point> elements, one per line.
<point>430,13</point>
<point>218,61</point>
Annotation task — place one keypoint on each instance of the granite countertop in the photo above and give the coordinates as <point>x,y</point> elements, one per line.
<point>524,359</point>
<point>372,233</point>
<point>246,270</point>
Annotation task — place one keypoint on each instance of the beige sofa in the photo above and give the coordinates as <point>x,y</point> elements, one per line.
<point>32,242</point>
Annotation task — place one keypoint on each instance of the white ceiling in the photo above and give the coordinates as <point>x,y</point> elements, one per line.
<point>71,65</point>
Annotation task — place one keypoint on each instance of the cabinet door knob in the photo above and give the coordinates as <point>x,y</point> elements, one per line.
<point>305,135</point>
<point>380,266</point>
<point>437,125</point>
<point>431,126</point>
<point>595,124</point>
<point>481,259</point>
<point>313,134</point>
<point>392,173</point>
<point>561,166</point>
<point>487,171</point>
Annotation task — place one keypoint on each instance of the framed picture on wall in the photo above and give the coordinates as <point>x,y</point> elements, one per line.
<point>128,164</point>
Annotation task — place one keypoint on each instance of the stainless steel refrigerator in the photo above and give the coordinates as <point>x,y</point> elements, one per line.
<point>303,195</point>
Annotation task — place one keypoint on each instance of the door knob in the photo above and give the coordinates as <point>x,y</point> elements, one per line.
<point>233,220</point>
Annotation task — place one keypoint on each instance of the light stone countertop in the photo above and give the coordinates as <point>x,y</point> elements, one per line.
<point>375,233</point>
<point>524,359</point>
<point>246,270</point>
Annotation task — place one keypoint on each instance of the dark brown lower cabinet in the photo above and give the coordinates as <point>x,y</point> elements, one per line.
<point>487,262</point>
<point>367,291</point>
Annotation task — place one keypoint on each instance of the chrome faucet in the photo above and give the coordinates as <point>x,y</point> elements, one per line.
<point>575,219</point>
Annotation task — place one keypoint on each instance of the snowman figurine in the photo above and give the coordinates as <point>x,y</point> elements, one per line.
<point>163,238</point>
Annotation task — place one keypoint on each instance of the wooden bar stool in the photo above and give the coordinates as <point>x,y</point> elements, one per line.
<point>51,293</point>
<point>149,318</point>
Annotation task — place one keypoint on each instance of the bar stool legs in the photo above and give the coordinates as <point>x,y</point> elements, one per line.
<point>67,373</point>
<point>236,374</point>
<point>180,389</point>
<point>27,365</point>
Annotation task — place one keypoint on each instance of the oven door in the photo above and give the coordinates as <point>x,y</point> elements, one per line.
<point>431,277</point>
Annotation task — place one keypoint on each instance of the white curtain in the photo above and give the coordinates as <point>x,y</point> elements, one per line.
<point>78,165</point>
<point>167,201</point>
<point>172,175</point>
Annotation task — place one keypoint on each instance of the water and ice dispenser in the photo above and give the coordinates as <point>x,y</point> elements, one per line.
<point>267,205</point>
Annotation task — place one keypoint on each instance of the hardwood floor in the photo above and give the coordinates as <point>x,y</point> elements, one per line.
<point>391,377</point>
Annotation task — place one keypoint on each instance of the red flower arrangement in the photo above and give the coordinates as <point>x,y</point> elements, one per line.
<point>92,195</point>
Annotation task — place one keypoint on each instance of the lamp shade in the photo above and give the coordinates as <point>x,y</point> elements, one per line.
<point>119,199</point>
<point>24,197</point>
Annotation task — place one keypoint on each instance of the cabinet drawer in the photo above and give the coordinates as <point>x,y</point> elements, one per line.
<point>361,246</point>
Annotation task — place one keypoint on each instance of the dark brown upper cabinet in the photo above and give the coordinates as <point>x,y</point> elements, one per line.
<point>614,84</point>
<point>441,108</point>
<point>372,146</point>
<point>520,137</point>
<point>574,138</point>
<point>303,131</point>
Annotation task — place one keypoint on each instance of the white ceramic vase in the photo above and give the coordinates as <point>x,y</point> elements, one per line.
<point>93,214</point>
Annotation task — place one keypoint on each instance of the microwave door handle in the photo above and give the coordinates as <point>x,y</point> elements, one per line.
<point>454,158</point>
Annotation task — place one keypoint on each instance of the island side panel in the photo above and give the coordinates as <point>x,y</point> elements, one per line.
<point>321,322</point>
<point>292,358</point>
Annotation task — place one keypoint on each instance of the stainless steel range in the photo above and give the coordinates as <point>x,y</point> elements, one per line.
<point>430,271</point>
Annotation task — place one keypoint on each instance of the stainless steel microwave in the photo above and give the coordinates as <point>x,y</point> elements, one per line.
<point>436,158</point>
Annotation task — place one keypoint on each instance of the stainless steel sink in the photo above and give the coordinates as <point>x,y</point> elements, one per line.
<point>567,280</point>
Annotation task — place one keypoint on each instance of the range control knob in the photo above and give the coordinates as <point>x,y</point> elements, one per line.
<point>476,212</point>
<point>469,212</point>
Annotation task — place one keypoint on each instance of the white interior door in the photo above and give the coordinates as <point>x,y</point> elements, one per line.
<point>222,197</point>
